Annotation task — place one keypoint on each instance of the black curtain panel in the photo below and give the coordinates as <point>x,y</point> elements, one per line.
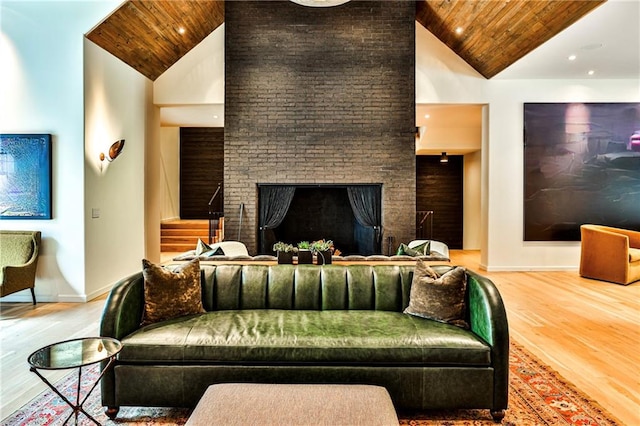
<point>365,202</point>
<point>274,204</point>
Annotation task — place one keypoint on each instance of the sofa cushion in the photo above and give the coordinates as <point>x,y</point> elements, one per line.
<point>171,293</point>
<point>634,255</point>
<point>438,298</point>
<point>269,336</point>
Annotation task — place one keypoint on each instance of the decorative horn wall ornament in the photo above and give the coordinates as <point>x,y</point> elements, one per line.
<point>320,3</point>
<point>114,150</point>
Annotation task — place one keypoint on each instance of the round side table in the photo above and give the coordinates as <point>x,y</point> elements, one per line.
<point>75,353</point>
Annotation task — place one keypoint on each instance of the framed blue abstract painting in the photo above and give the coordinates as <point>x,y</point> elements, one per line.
<point>25,176</point>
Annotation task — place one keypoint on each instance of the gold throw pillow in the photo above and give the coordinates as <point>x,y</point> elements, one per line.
<point>171,294</point>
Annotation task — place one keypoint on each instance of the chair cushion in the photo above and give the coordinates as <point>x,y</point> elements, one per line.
<point>16,249</point>
<point>270,336</point>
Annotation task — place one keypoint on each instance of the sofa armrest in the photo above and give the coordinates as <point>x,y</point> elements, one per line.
<point>632,236</point>
<point>488,319</point>
<point>124,306</point>
<point>634,239</point>
<point>18,277</point>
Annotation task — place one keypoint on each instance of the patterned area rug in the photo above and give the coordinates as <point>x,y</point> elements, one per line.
<point>537,396</point>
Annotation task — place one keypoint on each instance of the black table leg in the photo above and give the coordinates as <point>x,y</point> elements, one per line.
<point>77,407</point>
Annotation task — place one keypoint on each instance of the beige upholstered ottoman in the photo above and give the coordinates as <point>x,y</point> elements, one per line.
<point>282,404</point>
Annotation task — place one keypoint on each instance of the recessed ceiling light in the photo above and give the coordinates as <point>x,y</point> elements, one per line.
<point>593,46</point>
<point>427,116</point>
<point>591,72</point>
<point>572,57</point>
<point>215,116</point>
<point>459,30</point>
<point>181,30</point>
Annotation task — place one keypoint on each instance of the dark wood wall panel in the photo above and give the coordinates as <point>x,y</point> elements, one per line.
<point>201,169</point>
<point>439,187</point>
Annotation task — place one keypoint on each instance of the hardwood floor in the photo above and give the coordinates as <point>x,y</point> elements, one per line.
<point>23,329</point>
<point>588,331</point>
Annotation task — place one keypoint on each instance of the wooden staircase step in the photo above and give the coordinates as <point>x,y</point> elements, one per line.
<point>180,248</point>
<point>172,232</point>
<point>185,224</point>
<point>182,239</point>
<point>183,235</point>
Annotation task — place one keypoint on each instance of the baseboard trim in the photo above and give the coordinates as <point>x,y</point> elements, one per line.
<point>72,298</point>
<point>44,298</point>
<point>98,293</point>
<point>528,268</point>
<point>52,298</point>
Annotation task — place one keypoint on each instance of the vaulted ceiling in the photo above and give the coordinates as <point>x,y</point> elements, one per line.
<point>151,35</point>
<point>147,35</point>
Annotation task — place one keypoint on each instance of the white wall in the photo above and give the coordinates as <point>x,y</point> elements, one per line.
<point>472,207</point>
<point>41,91</point>
<point>191,92</point>
<point>439,139</point>
<point>170,172</point>
<point>152,183</point>
<point>118,105</point>
<point>441,76</point>
<point>197,78</point>
<point>506,248</point>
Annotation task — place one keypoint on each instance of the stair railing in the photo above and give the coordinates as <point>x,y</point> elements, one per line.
<point>421,218</point>
<point>214,215</point>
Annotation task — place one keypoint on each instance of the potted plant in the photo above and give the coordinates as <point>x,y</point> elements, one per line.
<point>305,257</point>
<point>284,252</point>
<point>323,251</point>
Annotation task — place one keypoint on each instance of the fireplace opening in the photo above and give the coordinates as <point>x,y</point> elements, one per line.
<point>322,212</point>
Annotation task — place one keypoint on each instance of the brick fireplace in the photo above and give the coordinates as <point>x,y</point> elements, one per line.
<point>320,96</point>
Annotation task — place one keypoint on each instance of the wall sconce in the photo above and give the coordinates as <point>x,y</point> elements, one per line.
<point>114,150</point>
<point>444,158</point>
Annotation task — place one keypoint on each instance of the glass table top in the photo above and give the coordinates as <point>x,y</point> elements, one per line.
<point>74,353</point>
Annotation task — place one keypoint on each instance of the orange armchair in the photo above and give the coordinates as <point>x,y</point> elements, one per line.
<point>610,254</point>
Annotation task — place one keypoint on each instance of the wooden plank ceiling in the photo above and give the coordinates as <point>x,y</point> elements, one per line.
<point>145,34</point>
<point>495,33</point>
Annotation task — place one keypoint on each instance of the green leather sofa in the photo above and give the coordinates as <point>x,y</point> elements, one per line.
<point>309,324</point>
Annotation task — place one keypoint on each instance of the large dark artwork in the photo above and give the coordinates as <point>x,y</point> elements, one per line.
<point>582,165</point>
<point>25,176</point>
